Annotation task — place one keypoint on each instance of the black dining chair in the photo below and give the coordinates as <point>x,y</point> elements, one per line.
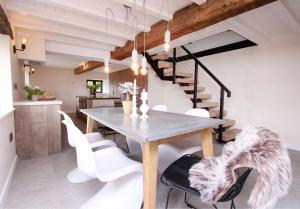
<point>176,178</point>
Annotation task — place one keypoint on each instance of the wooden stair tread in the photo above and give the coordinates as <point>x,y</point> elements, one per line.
<point>164,64</point>
<point>216,113</point>
<point>207,104</point>
<point>191,88</point>
<point>182,74</point>
<point>228,122</point>
<point>230,134</point>
<point>160,56</point>
<point>185,80</point>
<point>200,96</point>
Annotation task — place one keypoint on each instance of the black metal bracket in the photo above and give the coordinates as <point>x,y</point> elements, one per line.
<point>23,47</point>
<point>174,65</point>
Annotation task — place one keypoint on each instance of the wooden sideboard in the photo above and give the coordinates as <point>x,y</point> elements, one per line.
<point>85,102</point>
<point>38,128</point>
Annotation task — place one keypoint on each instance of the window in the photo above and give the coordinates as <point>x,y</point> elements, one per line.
<point>93,82</point>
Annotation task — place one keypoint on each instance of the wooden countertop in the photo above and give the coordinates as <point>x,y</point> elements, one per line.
<point>96,98</point>
<point>28,102</point>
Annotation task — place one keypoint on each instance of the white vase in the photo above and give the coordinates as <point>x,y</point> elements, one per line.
<point>127,106</point>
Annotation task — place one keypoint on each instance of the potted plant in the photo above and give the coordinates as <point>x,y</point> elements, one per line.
<point>127,89</point>
<point>33,92</point>
<point>93,88</point>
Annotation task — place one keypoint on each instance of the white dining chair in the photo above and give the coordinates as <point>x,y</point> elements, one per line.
<point>172,151</point>
<point>124,187</point>
<point>163,108</point>
<point>95,140</point>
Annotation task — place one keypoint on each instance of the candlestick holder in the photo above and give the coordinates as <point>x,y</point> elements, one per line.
<point>144,108</point>
<point>134,108</point>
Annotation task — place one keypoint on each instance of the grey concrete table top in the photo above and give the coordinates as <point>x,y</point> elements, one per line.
<point>159,125</point>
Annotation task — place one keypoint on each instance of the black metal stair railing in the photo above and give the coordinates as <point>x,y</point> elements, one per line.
<point>222,87</point>
<point>174,60</point>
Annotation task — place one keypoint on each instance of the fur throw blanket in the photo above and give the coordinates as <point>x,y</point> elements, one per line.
<point>254,147</point>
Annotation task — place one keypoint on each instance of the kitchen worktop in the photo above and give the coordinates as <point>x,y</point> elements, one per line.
<point>30,102</point>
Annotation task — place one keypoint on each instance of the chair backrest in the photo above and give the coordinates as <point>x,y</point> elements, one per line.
<point>162,108</point>
<point>198,112</point>
<point>66,117</point>
<point>71,140</point>
<point>85,158</point>
<point>236,189</point>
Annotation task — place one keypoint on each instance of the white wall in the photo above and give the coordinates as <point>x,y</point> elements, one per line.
<point>165,93</point>
<point>65,85</point>
<point>265,85</point>
<point>7,148</point>
<point>35,46</point>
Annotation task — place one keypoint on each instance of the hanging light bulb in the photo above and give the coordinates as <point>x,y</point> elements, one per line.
<point>106,65</point>
<point>134,60</point>
<point>144,69</point>
<point>167,44</point>
<point>136,72</point>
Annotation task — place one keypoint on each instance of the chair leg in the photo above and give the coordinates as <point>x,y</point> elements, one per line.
<point>168,197</point>
<point>232,205</point>
<point>215,206</point>
<point>186,202</point>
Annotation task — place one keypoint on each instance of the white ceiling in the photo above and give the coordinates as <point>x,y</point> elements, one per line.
<point>75,30</point>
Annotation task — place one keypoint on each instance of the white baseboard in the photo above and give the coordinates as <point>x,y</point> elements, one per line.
<point>294,147</point>
<point>8,182</point>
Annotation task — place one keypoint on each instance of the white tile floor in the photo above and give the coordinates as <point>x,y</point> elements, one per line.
<point>42,184</point>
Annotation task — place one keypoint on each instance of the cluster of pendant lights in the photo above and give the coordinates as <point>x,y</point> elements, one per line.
<point>135,66</point>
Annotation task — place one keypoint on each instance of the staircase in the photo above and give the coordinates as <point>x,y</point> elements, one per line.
<point>165,68</point>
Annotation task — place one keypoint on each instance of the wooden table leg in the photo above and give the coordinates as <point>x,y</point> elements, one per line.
<point>150,152</point>
<point>89,124</point>
<point>207,142</point>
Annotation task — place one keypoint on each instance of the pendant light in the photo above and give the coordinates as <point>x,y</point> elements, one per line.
<point>134,60</point>
<point>106,65</point>
<point>106,60</point>
<point>134,54</point>
<point>167,44</point>
<point>144,69</point>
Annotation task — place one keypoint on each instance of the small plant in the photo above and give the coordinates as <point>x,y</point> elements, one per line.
<point>126,88</point>
<point>33,90</point>
<point>93,87</point>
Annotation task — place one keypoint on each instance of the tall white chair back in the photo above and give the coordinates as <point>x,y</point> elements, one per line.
<point>162,108</point>
<point>66,117</point>
<point>198,112</point>
<point>85,159</point>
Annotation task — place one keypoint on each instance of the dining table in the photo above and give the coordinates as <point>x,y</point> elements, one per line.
<point>159,128</point>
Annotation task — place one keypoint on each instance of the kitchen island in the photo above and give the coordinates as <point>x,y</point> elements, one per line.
<point>38,128</point>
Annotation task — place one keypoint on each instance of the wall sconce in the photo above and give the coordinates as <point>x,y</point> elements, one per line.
<point>31,69</point>
<point>23,46</point>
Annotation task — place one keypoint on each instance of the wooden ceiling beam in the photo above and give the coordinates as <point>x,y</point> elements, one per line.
<point>4,24</point>
<point>90,65</point>
<point>187,20</point>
